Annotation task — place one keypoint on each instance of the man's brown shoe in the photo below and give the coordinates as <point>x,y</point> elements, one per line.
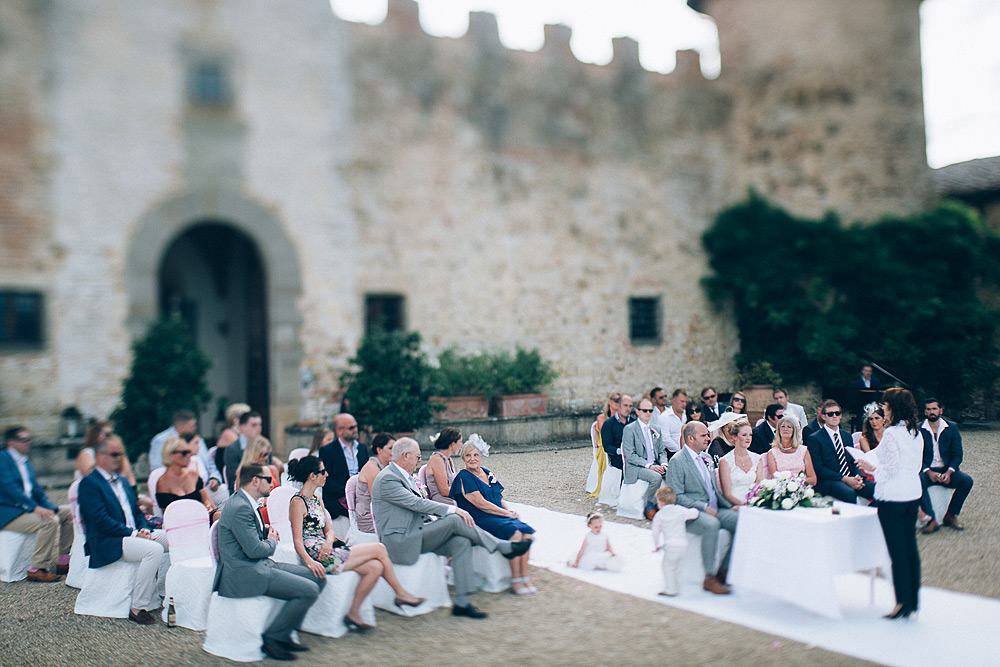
<point>62,569</point>
<point>143,617</point>
<point>649,514</point>
<point>932,527</point>
<point>43,575</point>
<point>713,585</point>
<point>951,521</point>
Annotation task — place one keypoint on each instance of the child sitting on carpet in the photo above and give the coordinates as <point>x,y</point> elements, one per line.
<point>670,536</point>
<point>596,552</point>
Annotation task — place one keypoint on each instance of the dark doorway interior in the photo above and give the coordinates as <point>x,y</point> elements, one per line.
<point>213,278</point>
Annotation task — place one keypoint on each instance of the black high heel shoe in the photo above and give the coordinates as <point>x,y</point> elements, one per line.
<point>399,602</point>
<point>896,613</point>
<point>353,626</point>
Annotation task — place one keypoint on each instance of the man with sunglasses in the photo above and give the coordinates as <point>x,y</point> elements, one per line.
<point>643,455</point>
<point>24,508</point>
<point>711,409</point>
<point>246,569</point>
<point>837,474</point>
<point>116,529</point>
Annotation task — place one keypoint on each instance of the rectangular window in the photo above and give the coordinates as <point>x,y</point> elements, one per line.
<point>208,85</point>
<point>644,320</point>
<point>385,312</point>
<point>20,318</point>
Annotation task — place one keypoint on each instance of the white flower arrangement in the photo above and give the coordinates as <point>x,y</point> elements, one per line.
<point>784,492</point>
<point>434,438</point>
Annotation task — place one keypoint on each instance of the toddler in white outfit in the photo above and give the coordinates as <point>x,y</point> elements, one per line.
<point>670,536</point>
<point>596,552</point>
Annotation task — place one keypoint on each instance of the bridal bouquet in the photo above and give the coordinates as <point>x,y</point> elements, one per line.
<point>784,492</point>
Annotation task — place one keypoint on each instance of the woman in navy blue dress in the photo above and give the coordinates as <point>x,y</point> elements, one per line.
<point>479,492</point>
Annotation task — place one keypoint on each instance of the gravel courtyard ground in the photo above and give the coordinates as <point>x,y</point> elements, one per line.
<point>569,623</point>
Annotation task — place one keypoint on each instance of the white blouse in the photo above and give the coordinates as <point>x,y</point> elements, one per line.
<point>900,457</point>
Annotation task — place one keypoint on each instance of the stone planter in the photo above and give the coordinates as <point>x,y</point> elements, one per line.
<point>759,396</point>
<point>460,408</point>
<point>517,405</point>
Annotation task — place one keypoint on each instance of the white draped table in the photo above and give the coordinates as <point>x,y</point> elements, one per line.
<point>796,555</point>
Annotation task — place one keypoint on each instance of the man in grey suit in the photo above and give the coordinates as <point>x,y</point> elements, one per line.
<point>246,570</point>
<point>643,455</point>
<point>400,513</point>
<point>693,480</point>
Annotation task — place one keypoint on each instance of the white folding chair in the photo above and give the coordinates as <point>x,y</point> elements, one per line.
<point>493,568</point>
<point>286,479</point>
<point>235,626</point>
<point>610,487</point>
<point>298,453</point>
<point>79,561</point>
<point>192,569</point>
<point>154,477</point>
<point>425,578</point>
<point>15,554</point>
<point>632,499</point>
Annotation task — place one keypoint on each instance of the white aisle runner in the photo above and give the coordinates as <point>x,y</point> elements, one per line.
<point>952,628</point>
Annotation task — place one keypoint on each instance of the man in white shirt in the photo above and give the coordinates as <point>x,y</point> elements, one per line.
<point>643,456</point>
<point>249,426</point>
<point>117,530</point>
<point>659,399</point>
<point>673,420</point>
<point>185,425</point>
<point>24,508</point>
<point>942,458</point>
<point>791,409</point>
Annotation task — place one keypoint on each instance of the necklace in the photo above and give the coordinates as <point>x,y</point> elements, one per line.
<point>785,449</point>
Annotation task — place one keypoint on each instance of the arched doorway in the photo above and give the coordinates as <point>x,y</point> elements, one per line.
<point>212,277</point>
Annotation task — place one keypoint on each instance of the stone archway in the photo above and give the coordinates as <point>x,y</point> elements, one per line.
<point>154,235</point>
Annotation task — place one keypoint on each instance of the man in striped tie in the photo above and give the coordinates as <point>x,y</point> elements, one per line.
<point>837,474</point>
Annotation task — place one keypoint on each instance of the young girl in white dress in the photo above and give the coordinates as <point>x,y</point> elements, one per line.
<point>596,552</point>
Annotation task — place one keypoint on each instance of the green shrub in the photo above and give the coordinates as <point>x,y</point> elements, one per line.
<point>389,384</point>
<point>461,375</point>
<point>167,375</point>
<point>523,373</point>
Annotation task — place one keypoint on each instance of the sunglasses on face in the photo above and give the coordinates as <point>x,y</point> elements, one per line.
<point>644,410</point>
<point>709,397</point>
<point>115,455</point>
<point>183,452</point>
<point>741,400</point>
<point>266,479</point>
<point>833,413</point>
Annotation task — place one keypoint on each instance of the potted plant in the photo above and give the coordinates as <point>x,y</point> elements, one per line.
<point>388,384</point>
<point>460,386</point>
<point>517,381</point>
<point>757,380</point>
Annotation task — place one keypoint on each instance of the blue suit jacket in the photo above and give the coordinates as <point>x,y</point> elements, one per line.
<point>824,455</point>
<point>104,520</point>
<point>13,502</point>
<point>950,444</point>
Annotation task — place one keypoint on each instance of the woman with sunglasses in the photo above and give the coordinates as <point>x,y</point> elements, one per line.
<point>738,403</point>
<point>694,412</point>
<point>610,408</point>
<point>321,551</point>
<point>181,481</point>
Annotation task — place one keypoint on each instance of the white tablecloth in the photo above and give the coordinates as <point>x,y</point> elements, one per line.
<point>796,555</point>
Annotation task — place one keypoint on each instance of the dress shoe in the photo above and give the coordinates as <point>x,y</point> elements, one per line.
<point>356,626</point>
<point>142,617</point>
<point>921,522</point>
<point>649,514</point>
<point>932,527</point>
<point>62,569</point>
<point>518,548</point>
<point>400,602</point>
<point>468,611</point>
<point>713,585</point>
<point>951,521</point>
<point>43,575</point>
<point>294,647</point>
<point>276,651</point>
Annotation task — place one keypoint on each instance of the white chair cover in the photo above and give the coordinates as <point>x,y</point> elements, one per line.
<point>154,477</point>
<point>277,511</point>
<point>632,500</point>
<point>610,487</point>
<point>107,591</point>
<point>192,569</point>
<point>78,560</point>
<point>940,498</point>
<point>213,541</point>
<point>286,479</point>
<point>354,534</point>
<point>493,568</point>
<point>425,578</point>
<point>235,626</point>
<point>593,477</point>
<point>298,453</point>
<point>15,554</point>
<point>856,437</point>
<point>694,569</point>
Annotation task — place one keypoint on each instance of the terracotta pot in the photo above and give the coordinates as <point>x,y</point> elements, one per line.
<point>459,408</point>
<point>759,396</point>
<point>519,405</point>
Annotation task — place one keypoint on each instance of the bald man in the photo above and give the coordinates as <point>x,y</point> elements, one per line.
<point>343,457</point>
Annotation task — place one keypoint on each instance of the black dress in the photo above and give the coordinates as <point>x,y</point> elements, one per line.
<point>164,499</point>
<point>719,448</point>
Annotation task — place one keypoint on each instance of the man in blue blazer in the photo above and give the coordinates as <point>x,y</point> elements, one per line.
<point>836,472</point>
<point>117,530</point>
<point>24,508</point>
<point>942,458</point>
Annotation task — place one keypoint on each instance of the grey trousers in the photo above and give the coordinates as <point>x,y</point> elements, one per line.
<point>450,536</point>
<point>708,527</point>
<point>654,480</point>
<point>298,585</point>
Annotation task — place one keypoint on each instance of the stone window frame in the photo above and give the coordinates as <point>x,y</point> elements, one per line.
<point>375,306</point>
<point>17,332</point>
<point>651,310</point>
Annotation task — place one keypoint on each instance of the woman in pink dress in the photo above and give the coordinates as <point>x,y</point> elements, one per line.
<point>788,452</point>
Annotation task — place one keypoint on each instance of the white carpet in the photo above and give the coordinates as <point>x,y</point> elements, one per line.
<point>952,628</point>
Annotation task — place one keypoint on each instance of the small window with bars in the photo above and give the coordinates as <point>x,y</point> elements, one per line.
<point>644,318</point>
<point>384,312</point>
<point>208,84</point>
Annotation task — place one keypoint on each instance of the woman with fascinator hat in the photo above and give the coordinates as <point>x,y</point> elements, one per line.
<point>872,427</point>
<point>479,492</point>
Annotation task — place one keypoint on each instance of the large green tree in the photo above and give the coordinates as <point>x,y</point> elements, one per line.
<point>167,375</point>
<point>916,294</point>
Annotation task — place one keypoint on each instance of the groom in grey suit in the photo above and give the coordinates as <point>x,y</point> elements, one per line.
<point>400,511</point>
<point>693,480</point>
<point>246,570</point>
<point>643,456</point>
